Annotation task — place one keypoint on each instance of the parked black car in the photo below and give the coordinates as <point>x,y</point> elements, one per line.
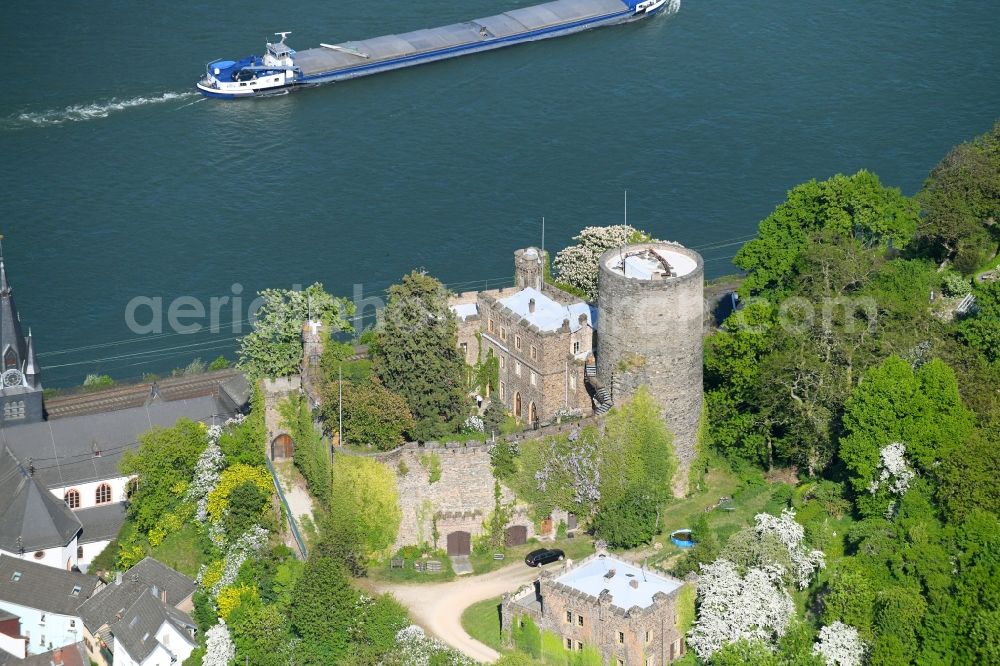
<point>537,558</point>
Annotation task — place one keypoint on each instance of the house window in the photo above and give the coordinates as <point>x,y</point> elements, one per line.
<point>534,353</point>
<point>90,646</point>
<point>534,378</point>
<point>579,645</point>
<point>79,552</point>
<point>576,347</point>
<point>517,368</point>
<point>42,621</point>
<point>103,493</point>
<point>464,346</point>
<point>569,643</point>
<point>72,624</point>
<point>621,638</point>
<point>569,616</point>
<point>73,499</point>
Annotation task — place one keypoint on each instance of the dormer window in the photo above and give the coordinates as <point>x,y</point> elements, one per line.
<point>15,577</point>
<point>76,590</point>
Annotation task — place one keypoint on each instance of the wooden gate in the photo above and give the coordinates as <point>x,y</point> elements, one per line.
<point>282,447</point>
<point>571,521</point>
<point>516,535</point>
<point>547,526</point>
<point>459,543</point>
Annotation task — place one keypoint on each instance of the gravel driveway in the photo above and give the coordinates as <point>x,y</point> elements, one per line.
<point>438,607</point>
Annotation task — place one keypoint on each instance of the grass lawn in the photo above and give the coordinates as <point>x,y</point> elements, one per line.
<point>180,551</point>
<point>482,622</point>
<point>575,549</point>
<point>718,483</point>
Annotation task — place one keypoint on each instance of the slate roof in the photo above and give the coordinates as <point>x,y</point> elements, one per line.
<point>29,511</point>
<point>71,655</point>
<point>149,577</point>
<point>43,587</point>
<point>101,523</point>
<point>136,631</point>
<point>62,450</point>
<point>10,323</point>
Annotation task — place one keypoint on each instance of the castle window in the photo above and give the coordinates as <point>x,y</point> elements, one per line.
<point>569,616</point>
<point>569,643</point>
<point>490,327</point>
<point>465,348</point>
<point>517,341</point>
<point>73,499</point>
<point>534,353</point>
<point>503,333</point>
<point>621,638</point>
<point>503,362</point>
<point>620,662</point>
<point>576,347</point>
<point>650,660</point>
<point>534,378</point>
<point>13,410</point>
<point>103,493</point>
<point>503,391</point>
<point>572,382</point>
<point>579,620</point>
<point>517,368</point>
<point>649,636</point>
<point>579,645</point>
<point>9,359</point>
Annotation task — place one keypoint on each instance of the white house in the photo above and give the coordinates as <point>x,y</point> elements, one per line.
<point>46,600</point>
<point>151,633</point>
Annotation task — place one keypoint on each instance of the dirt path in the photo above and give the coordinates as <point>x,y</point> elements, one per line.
<point>438,607</point>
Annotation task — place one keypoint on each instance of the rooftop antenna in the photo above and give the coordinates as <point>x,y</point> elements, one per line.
<point>543,238</point>
<point>283,35</point>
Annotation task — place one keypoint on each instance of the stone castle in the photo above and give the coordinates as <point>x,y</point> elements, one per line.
<point>559,356</point>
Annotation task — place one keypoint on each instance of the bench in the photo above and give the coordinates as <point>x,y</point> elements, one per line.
<point>433,565</point>
<point>397,563</point>
<point>498,556</point>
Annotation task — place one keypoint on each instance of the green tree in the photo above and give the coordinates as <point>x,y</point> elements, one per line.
<point>627,520</point>
<point>163,465</point>
<point>858,206</point>
<point>366,502</point>
<point>374,416</point>
<point>415,353</point>
<point>982,330</point>
<point>246,502</point>
<point>893,403</point>
<point>261,635</point>
<point>324,608</point>
<point>494,417</point>
<point>274,347</point>
<point>961,203</point>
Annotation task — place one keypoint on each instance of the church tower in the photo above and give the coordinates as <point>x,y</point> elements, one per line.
<point>20,380</point>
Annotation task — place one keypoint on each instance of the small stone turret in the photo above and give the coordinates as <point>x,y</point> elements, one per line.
<point>528,268</point>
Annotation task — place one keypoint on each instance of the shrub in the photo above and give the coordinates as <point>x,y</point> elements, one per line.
<point>526,636</point>
<point>955,285</point>
<point>218,499</point>
<point>94,381</point>
<point>220,363</point>
<point>432,463</point>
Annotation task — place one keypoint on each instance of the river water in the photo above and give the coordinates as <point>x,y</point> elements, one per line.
<point>119,182</point>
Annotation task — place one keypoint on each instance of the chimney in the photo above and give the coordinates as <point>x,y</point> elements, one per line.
<point>57,658</point>
<point>565,325</point>
<point>610,574</point>
<point>634,584</point>
<point>163,596</point>
<point>531,306</point>
<point>118,578</point>
<point>583,320</point>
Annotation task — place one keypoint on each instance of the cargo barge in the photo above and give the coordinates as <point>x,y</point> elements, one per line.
<point>282,69</point>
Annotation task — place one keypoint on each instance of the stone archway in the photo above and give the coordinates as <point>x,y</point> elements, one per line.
<point>282,447</point>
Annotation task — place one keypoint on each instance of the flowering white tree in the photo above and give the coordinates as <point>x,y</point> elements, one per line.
<point>249,543</point>
<point>415,648</point>
<point>894,472</point>
<point>577,264</point>
<point>733,607</point>
<point>206,473</point>
<point>792,534</point>
<point>219,648</point>
<point>840,645</point>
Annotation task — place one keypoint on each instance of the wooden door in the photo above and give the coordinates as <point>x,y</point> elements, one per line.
<point>459,543</point>
<point>516,535</point>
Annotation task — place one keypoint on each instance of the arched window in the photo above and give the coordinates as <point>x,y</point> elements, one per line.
<point>9,358</point>
<point>72,499</point>
<point>103,493</point>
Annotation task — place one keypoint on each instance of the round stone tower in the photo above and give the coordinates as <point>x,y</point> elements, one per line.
<point>649,332</point>
<point>528,268</point>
